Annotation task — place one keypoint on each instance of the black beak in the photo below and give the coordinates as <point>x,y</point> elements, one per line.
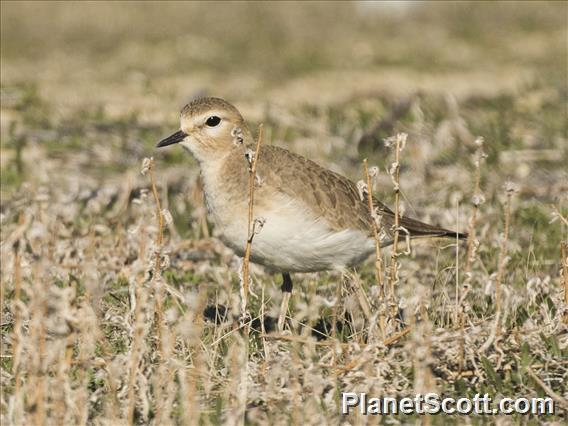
<point>177,137</point>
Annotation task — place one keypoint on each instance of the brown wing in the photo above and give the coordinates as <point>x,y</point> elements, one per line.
<point>330,195</point>
<point>327,194</point>
<point>415,227</point>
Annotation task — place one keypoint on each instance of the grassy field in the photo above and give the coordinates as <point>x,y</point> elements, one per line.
<point>104,324</point>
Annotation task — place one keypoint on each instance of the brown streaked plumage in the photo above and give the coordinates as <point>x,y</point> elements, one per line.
<point>331,195</point>
<point>314,218</point>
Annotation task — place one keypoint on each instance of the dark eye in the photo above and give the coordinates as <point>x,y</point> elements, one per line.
<point>213,121</point>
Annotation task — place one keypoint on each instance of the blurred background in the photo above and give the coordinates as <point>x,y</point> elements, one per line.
<point>355,71</point>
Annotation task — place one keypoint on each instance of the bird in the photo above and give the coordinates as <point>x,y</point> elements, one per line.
<point>313,219</point>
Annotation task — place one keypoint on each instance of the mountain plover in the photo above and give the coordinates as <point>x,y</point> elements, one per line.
<point>314,219</point>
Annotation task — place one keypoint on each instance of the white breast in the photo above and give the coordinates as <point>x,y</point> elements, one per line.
<point>292,239</point>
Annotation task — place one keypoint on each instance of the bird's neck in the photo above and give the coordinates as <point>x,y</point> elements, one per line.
<point>220,172</point>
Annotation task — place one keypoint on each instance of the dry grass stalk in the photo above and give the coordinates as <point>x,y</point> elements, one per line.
<point>262,327</point>
<point>564,254</point>
<point>378,257</point>
<point>158,288</point>
<point>560,400</point>
<point>477,200</point>
<point>462,355</point>
<point>335,310</point>
<point>17,333</point>
<point>62,409</point>
<point>354,281</point>
<point>138,300</point>
<point>493,333</point>
<point>457,259</point>
<point>38,336</point>
<point>509,190</point>
<point>239,358</point>
<point>160,216</point>
<point>135,350</point>
<point>556,214</point>
<point>112,408</point>
<point>156,273</point>
<point>251,224</point>
<point>419,345</point>
<point>397,336</point>
<point>394,171</point>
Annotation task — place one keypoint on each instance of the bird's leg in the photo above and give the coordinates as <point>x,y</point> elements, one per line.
<point>286,293</point>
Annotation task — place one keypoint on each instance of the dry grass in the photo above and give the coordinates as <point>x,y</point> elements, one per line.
<point>106,273</point>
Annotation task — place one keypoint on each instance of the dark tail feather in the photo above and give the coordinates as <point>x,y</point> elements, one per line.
<point>419,229</point>
<point>416,228</point>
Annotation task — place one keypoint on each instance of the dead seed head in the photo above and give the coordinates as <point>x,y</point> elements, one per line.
<point>237,134</point>
<point>479,141</point>
<point>168,218</point>
<point>249,155</point>
<point>393,168</point>
<point>390,141</point>
<point>259,222</point>
<point>362,188</point>
<point>146,165</point>
<point>510,188</point>
<point>397,140</point>
<point>478,199</point>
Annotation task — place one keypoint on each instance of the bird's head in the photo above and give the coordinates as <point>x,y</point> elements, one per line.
<point>209,128</point>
